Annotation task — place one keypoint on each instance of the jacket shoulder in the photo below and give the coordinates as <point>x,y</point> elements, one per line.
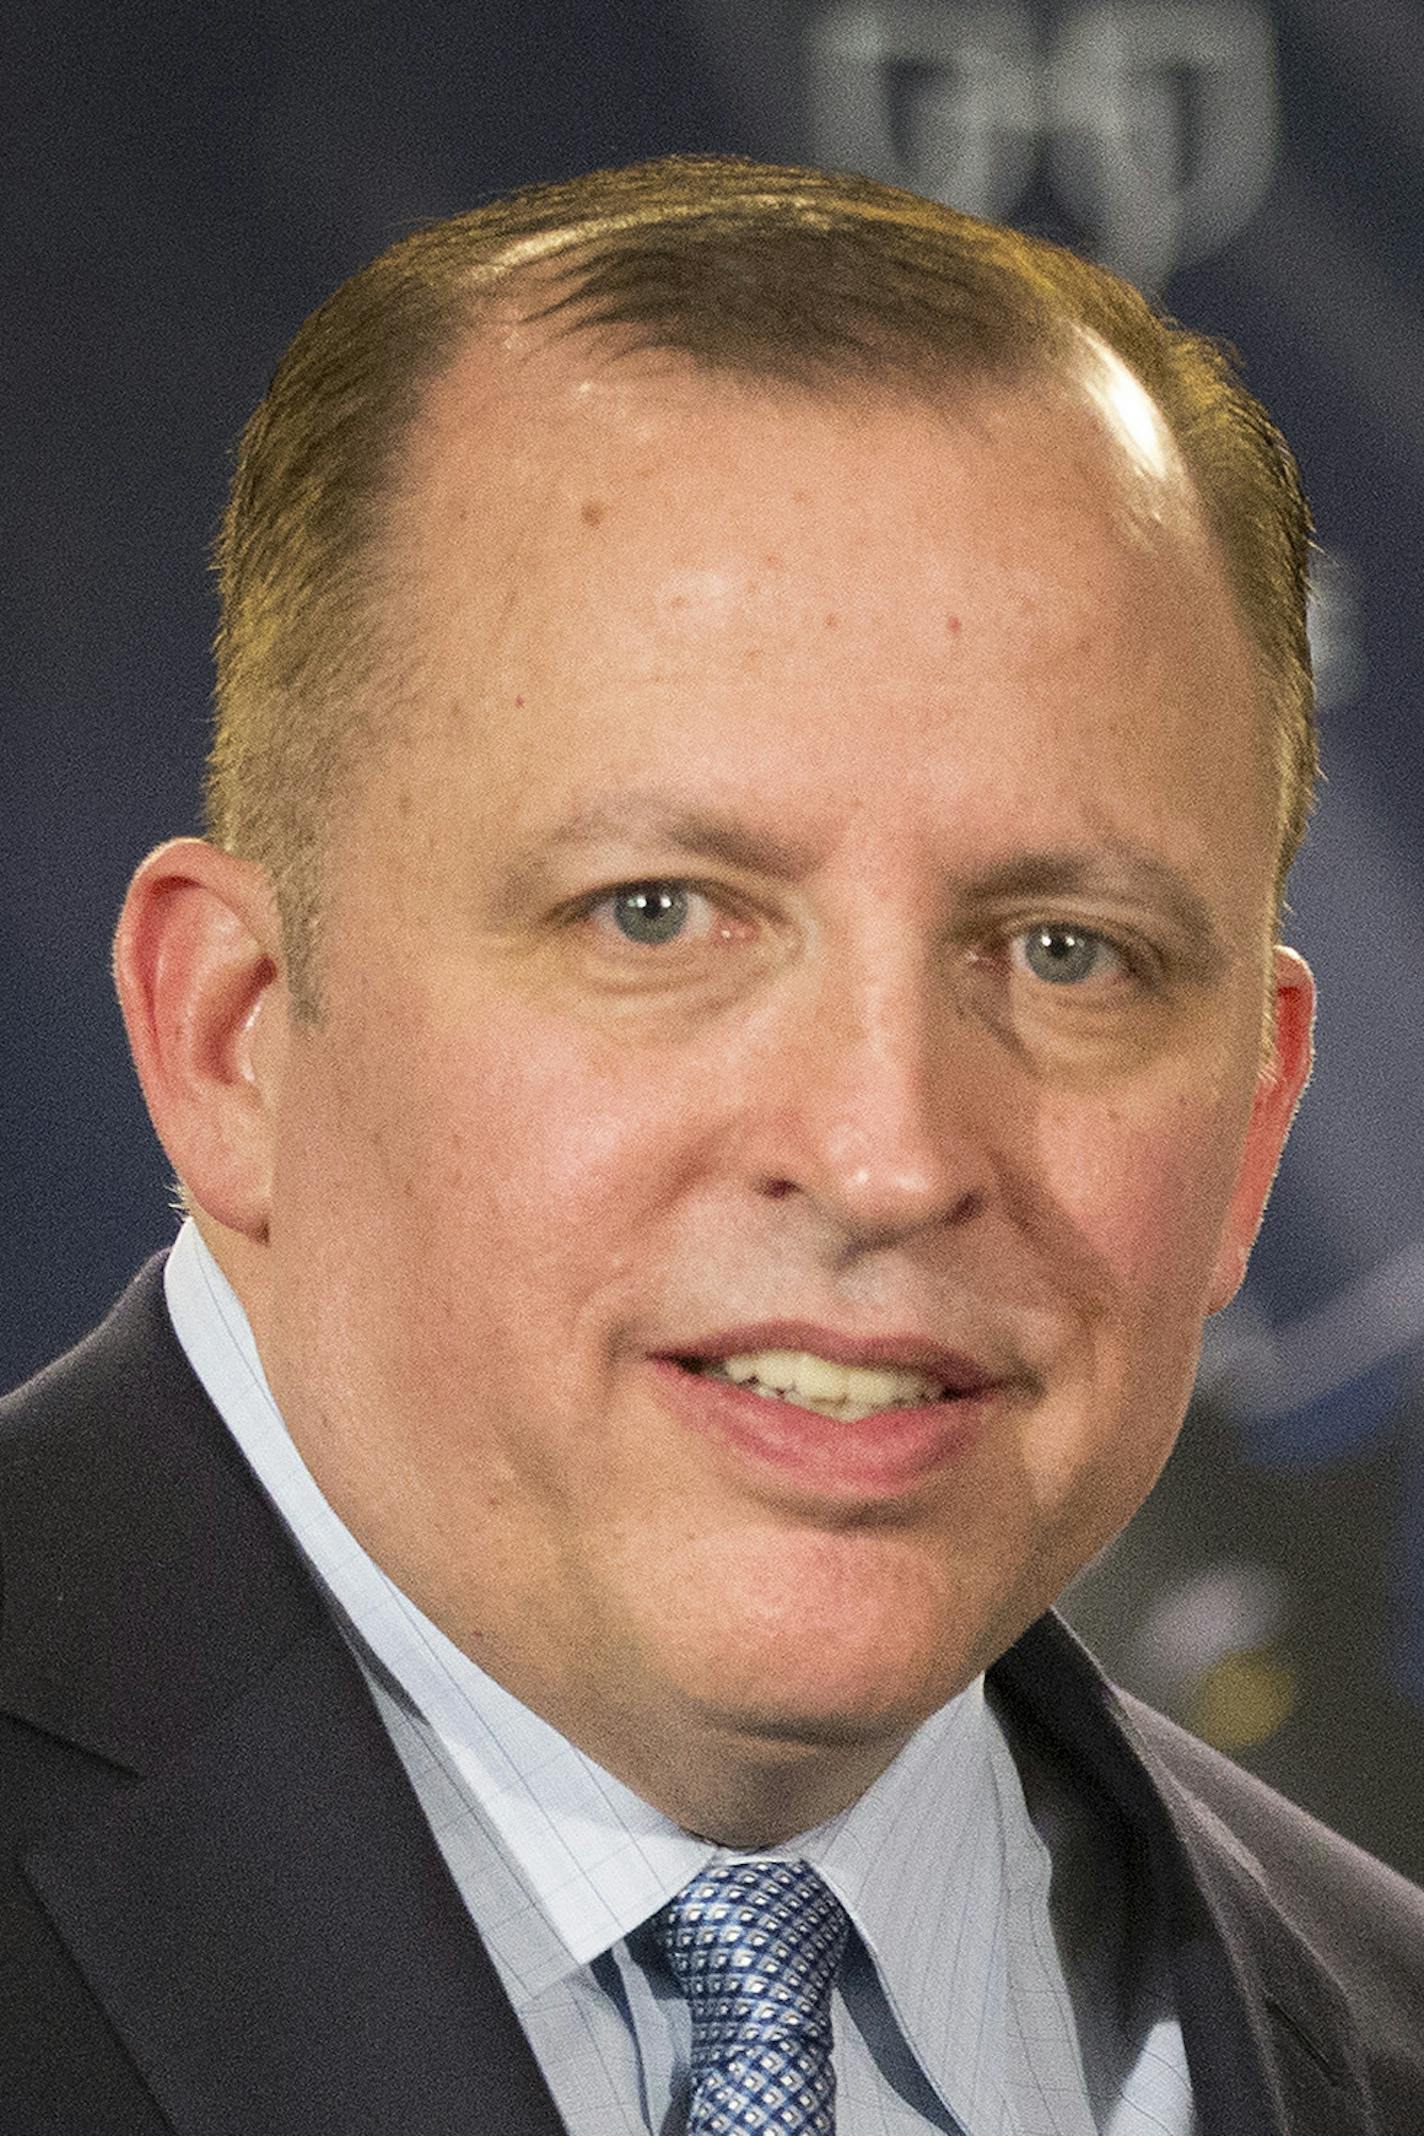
<point>1296,1846</point>
<point>126,1510</point>
<point>1323,1946</point>
<point>133,1343</point>
<point>1363,1918</point>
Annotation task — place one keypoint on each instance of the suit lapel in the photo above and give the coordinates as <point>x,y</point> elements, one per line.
<point>274,1937</point>
<point>1270,2041</point>
<point>247,1883</point>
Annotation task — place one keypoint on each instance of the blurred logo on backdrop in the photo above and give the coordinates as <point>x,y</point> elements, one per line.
<point>1154,125</point>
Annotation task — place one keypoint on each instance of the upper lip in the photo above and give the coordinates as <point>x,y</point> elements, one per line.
<point>955,1370</point>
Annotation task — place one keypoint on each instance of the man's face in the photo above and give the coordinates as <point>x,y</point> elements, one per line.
<point>813,912</point>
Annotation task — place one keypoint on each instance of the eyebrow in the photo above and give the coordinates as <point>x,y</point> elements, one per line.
<point>1115,867</point>
<point>699,833</point>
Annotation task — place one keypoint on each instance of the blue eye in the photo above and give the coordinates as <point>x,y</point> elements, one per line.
<point>650,913</point>
<point>1066,956</point>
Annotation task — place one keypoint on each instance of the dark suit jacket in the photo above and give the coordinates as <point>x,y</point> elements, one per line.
<point>222,1913</point>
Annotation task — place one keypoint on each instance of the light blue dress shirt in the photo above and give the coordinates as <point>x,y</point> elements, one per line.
<point>991,1988</point>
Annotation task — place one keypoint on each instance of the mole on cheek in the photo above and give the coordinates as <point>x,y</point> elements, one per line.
<point>592,513</point>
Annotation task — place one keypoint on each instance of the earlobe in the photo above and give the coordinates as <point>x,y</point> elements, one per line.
<point>198,967</point>
<point>1282,1079</point>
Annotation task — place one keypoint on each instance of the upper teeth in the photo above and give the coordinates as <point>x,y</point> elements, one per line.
<point>815,1381</point>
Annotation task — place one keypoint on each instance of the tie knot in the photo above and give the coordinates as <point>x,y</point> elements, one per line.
<point>755,1947</point>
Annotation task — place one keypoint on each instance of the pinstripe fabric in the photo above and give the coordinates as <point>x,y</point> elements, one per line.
<point>972,2000</point>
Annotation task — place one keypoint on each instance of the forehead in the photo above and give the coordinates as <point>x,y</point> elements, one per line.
<point>540,453</point>
<point>605,558</point>
<point>530,444</point>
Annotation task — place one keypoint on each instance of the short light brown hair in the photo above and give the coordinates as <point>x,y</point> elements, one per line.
<point>798,277</point>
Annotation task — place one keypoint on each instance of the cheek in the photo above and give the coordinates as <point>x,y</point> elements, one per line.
<point>470,1207</point>
<point>511,1153</point>
<point>1136,1195</point>
<point>1128,1230</point>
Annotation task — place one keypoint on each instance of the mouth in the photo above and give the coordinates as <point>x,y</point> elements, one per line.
<point>848,1421</point>
<point>807,1380</point>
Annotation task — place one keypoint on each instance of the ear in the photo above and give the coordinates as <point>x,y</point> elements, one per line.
<point>198,966</point>
<point>1283,1077</point>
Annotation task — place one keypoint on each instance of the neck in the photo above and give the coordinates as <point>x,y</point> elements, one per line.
<point>734,1787</point>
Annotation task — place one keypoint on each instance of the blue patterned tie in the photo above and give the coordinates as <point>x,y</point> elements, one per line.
<point>755,1947</point>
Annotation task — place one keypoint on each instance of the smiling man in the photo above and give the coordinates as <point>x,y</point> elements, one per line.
<point>728,1035</point>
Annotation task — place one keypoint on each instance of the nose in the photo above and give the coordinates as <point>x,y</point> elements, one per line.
<point>877,1112</point>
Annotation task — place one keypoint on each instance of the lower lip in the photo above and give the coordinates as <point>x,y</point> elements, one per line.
<point>884,1456</point>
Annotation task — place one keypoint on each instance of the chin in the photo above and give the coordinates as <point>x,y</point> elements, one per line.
<point>832,1725</point>
<point>834,1692</point>
<point>788,1637</point>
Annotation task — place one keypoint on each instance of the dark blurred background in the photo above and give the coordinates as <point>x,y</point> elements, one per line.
<point>183,183</point>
